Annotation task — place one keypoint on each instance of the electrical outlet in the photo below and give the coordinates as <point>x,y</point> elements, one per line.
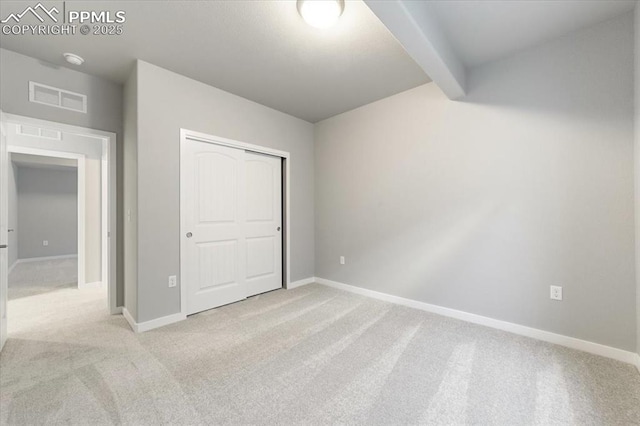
<point>556,292</point>
<point>172,281</point>
<point>342,261</point>
<point>45,243</point>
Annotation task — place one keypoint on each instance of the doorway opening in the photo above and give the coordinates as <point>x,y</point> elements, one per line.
<point>47,223</point>
<point>59,183</point>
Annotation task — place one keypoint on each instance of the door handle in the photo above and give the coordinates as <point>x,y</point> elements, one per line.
<point>9,230</point>
<point>189,235</point>
<point>3,246</point>
<point>278,228</point>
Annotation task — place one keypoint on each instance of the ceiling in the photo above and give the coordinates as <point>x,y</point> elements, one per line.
<point>482,31</point>
<point>260,50</point>
<point>265,52</point>
<point>42,162</point>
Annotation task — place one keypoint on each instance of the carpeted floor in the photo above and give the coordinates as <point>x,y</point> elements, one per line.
<point>32,278</point>
<point>313,355</point>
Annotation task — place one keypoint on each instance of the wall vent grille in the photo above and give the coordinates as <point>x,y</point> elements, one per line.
<point>25,130</point>
<point>58,98</point>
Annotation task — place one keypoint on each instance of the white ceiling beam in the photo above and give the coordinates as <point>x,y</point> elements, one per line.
<point>419,33</point>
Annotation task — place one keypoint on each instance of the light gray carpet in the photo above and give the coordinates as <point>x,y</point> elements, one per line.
<point>313,355</point>
<point>32,278</point>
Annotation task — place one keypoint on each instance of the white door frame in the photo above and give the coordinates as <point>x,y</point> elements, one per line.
<point>81,176</point>
<point>108,195</point>
<point>4,240</point>
<point>185,135</point>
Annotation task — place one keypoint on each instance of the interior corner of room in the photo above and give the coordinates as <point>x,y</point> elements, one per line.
<point>467,172</point>
<point>471,200</point>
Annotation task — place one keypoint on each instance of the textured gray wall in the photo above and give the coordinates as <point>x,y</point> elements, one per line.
<point>168,102</point>
<point>104,111</point>
<point>48,210</point>
<point>481,205</point>
<point>130,178</point>
<point>12,217</point>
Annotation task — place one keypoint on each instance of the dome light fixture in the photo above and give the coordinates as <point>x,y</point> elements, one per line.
<point>321,13</point>
<point>73,58</point>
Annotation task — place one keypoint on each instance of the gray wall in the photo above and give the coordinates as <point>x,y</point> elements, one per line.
<point>637,165</point>
<point>93,220</point>
<point>48,210</point>
<point>481,205</point>
<point>12,217</point>
<point>168,102</point>
<point>104,111</point>
<point>130,178</point>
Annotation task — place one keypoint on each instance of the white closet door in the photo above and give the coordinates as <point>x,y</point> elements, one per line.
<point>232,220</point>
<point>213,205</point>
<point>263,222</point>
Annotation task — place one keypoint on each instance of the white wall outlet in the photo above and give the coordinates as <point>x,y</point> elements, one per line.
<point>342,262</point>
<point>556,292</point>
<point>45,243</point>
<point>173,281</point>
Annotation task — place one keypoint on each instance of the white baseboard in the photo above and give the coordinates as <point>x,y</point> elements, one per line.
<point>140,327</point>
<point>130,320</point>
<point>546,336</point>
<point>84,286</point>
<point>300,283</point>
<point>638,362</point>
<point>41,259</point>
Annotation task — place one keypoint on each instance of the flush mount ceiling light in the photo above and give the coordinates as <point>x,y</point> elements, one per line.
<point>321,13</point>
<point>73,59</point>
